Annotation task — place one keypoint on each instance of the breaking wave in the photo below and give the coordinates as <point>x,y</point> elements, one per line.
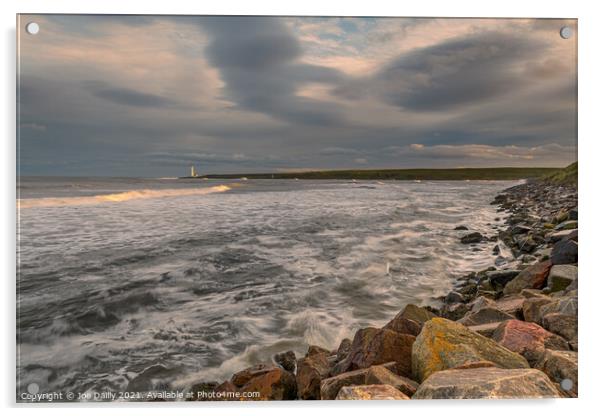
<point>117,197</point>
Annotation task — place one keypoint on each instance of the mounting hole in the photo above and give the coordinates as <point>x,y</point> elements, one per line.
<point>32,28</point>
<point>566,32</point>
<point>566,384</point>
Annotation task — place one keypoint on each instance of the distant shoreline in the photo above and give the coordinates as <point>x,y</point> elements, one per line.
<point>397,174</point>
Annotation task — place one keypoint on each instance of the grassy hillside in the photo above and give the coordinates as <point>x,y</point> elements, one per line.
<point>566,175</point>
<point>406,174</point>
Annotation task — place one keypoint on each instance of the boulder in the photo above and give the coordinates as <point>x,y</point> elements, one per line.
<point>329,387</point>
<point>485,315</point>
<point>486,330</point>
<point>471,238</point>
<point>403,325</point>
<point>560,235</point>
<point>499,278</point>
<point>273,384</point>
<point>444,344</point>
<point>453,297</point>
<point>416,313</point>
<point>461,228</point>
<point>532,293</point>
<point>566,225</point>
<point>371,392</point>
<point>532,308</point>
<point>380,375</point>
<point>373,346</point>
<point>487,383</point>
<point>561,276</point>
<point>567,305</point>
<point>512,305</point>
<point>242,377</point>
<point>561,324</point>
<point>565,252</point>
<point>560,366</point>
<point>455,311</point>
<point>310,372</point>
<point>343,350</point>
<point>198,389</point>
<point>532,277</point>
<point>527,339</point>
<point>286,360</point>
<point>314,349</point>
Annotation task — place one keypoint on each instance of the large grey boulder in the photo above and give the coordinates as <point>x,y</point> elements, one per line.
<point>487,383</point>
<point>561,276</point>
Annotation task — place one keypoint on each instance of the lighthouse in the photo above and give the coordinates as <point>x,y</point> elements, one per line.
<point>193,172</point>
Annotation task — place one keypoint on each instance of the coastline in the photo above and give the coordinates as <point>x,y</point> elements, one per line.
<point>509,331</point>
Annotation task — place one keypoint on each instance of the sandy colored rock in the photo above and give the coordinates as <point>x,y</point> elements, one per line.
<point>373,346</point>
<point>274,384</point>
<point>310,372</point>
<point>242,377</point>
<point>416,313</point>
<point>532,308</point>
<point>444,344</point>
<point>561,324</point>
<point>371,392</point>
<point>329,387</point>
<point>487,383</point>
<point>380,375</point>
<point>533,277</point>
<point>403,325</point>
<point>485,315</point>
<point>559,366</point>
<point>561,276</point>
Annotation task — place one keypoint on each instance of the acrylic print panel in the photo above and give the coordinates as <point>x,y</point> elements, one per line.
<point>282,208</point>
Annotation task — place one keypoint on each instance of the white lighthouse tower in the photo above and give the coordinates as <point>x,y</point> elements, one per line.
<point>193,173</point>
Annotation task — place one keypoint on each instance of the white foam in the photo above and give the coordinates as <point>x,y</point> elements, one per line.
<point>117,197</point>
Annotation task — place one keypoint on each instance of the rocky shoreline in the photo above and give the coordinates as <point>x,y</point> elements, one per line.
<point>509,331</point>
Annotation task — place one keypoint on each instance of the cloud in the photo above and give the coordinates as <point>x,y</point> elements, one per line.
<point>127,96</point>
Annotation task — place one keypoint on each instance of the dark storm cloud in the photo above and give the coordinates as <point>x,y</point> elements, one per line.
<point>257,58</point>
<point>452,74</point>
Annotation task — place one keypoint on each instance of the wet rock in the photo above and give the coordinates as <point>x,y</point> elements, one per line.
<point>461,228</point>
<point>455,311</point>
<point>485,315</point>
<point>444,344</point>
<point>150,378</point>
<point>198,389</point>
<point>314,349</point>
<point>496,250</point>
<point>520,229</point>
<point>416,313</point>
<point>564,252</point>
<point>561,324</point>
<point>487,383</point>
<point>373,346</point>
<point>533,277</point>
<point>403,325</point>
<point>240,378</point>
<point>371,392</point>
<point>381,375</point>
<point>561,276</point>
<point>559,366</point>
<point>272,383</point>
<point>343,350</point>
<point>329,387</point>
<point>453,297</point>
<point>527,339</point>
<point>471,238</point>
<point>286,360</point>
<point>573,214</point>
<point>560,235</point>
<point>500,278</point>
<point>566,225</point>
<point>310,372</point>
<point>486,330</point>
<point>532,308</point>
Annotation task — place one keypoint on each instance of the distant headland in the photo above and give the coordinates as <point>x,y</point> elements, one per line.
<point>503,173</point>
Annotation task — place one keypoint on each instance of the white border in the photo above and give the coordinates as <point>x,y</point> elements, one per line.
<point>589,160</point>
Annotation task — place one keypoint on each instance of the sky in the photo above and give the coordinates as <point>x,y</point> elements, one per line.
<point>151,95</point>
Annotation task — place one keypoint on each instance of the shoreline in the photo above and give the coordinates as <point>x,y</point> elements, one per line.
<point>503,332</point>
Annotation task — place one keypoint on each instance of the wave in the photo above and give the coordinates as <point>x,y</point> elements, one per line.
<point>117,197</point>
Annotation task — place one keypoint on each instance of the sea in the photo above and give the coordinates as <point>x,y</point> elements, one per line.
<point>144,283</point>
